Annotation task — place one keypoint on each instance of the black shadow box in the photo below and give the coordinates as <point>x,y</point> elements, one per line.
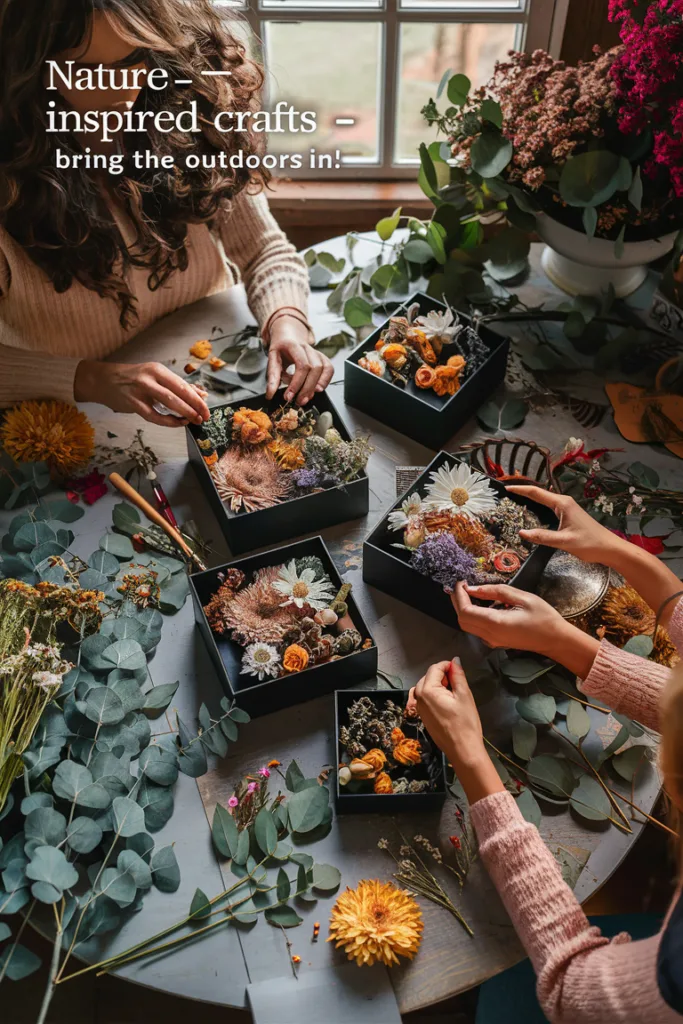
<point>245,531</point>
<point>419,414</point>
<point>260,698</point>
<point>377,803</point>
<point>389,568</point>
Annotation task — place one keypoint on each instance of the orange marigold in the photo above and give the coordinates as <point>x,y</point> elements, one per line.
<point>447,380</point>
<point>52,432</point>
<point>407,752</point>
<point>425,377</point>
<point>383,784</point>
<point>376,758</point>
<point>201,349</point>
<point>457,362</point>
<point>252,426</point>
<point>376,922</point>
<point>397,735</point>
<point>295,658</point>
<point>395,355</point>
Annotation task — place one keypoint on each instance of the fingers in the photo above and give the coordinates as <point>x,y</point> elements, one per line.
<point>311,385</point>
<point>500,592</point>
<point>411,703</point>
<point>171,401</point>
<point>185,393</point>
<point>274,372</point>
<point>149,414</point>
<point>460,598</point>
<point>456,676</point>
<point>549,538</point>
<point>434,676</point>
<point>302,367</point>
<point>327,374</point>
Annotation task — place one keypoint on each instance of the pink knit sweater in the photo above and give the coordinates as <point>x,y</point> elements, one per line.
<point>583,978</point>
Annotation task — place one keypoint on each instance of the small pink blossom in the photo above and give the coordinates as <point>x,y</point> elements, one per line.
<point>233,802</point>
<point>252,787</point>
<point>264,773</point>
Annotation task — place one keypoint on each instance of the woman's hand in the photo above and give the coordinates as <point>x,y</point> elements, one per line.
<point>579,533</point>
<point>136,387</point>
<point>290,346</point>
<point>446,706</point>
<point>525,622</point>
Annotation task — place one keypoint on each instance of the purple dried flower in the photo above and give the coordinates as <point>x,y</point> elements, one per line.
<point>305,478</point>
<point>442,559</point>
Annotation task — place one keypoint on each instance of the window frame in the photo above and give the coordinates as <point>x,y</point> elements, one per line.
<point>541,25</point>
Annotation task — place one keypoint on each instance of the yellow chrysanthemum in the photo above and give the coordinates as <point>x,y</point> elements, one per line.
<point>376,922</point>
<point>287,454</point>
<point>52,432</point>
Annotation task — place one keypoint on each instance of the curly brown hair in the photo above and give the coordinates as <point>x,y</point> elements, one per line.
<point>62,218</point>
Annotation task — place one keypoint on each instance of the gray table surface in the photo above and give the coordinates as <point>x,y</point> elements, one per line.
<point>219,968</point>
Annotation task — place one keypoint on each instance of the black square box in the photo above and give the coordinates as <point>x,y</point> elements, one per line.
<point>260,698</point>
<point>419,414</point>
<point>389,570</point>
<point>375,803</point>
<point>245,531</point>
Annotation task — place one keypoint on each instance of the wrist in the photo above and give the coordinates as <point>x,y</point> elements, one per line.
<point>85,380</point>
<point>574,649</point>
<point>477,776</point>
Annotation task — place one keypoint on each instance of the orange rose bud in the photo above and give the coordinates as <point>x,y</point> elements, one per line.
<point>419,340</point>
<point>395,356</point>
<point>201,349</point>
<point>274,764</point>
<point>407,752</point>
<point>397,736</point>
<point>447,380</point>
<point>376,758</point>
<point>383,784</point>
<point>457,362</point>
<point>425,377</point>
<point>190,367</point>
<point>295,658</point>
<point>216,364</point>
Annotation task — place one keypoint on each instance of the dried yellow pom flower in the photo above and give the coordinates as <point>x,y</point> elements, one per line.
<point>376,922</point>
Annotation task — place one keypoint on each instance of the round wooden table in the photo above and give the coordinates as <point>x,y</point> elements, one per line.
<point>218,968</point>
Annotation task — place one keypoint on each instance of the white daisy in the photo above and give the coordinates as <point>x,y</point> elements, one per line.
<point>303,588</point>
<point>461,490</point>
<point>411,507</point>
<point>45,680</point>
<point>439,326</point>
<point>260,660</point>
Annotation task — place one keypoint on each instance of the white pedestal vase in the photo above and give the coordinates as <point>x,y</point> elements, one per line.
<point>580,265</point>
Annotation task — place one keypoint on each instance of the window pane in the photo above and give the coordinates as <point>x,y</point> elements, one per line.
<point>320,5</point>
<point>426,53</point>
<point>331,68</point>
<point>462,5</point>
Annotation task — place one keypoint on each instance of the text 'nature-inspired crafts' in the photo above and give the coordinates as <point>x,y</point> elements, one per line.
<point>460,529</point>
<point>288,618</point>
<point>384,749</point>
<point>437,352</point>
<point>259,460</point>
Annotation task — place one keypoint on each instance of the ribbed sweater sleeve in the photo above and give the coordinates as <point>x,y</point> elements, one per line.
<point>274,274</point>
<point>582,977</point>
<point>629,684</point>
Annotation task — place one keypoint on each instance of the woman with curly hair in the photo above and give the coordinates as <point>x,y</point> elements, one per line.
<point>582,977</point>
<point>89,258</point>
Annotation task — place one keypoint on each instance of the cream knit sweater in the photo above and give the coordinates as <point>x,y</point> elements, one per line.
<point>43,335</point>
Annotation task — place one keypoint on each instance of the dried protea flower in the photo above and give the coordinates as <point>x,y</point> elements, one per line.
<point>625,614</point>
<point>255,613</point>
<point>470,535</point>
<point>249,479</point>
<point>438,522</point>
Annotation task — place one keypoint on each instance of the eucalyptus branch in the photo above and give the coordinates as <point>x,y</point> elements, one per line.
<point>20,932</point>
<point>593,771</point>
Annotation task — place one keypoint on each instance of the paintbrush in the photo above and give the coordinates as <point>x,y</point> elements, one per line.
<point>136,498</point>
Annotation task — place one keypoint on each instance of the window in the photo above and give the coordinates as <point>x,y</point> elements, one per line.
<point>366,67</point>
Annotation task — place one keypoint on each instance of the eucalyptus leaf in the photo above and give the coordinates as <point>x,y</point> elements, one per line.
<point>283,917</point>
<point>118,546</point>
<point>640,645</point>
<point>524,739</point>
<point>265,831</point>
<point>157,804</point>
<point>159,764</point>
<point>128,817</point>
<point>31,535</point>
<point>387,225</point>
<point>83,835</point>
<point>103,562</point>
<point>631,761</point>
<point>294,778</point>
<point>50,866</point>
<point>119,885</point>
<point>165,870</point>
<point>357,312</point>
<point>17,962</point>
<point>591,178</point>
<point>46,825</point>
<point>158,699</point>
<point>200,907</point>
<point>283,887</point>
<point>192,755</point>
<point>326,878</point>
<point>126,518</point>
<point>241,853</point>
<point>458,89</point>
<point>590,800</point>
<point>491,153</point>
<point>102,706</point>
<point>32,802</point>
<point>75,783</point>
<point>125,654</point>
<point>173,593</point>
<point>529,807</point>
<point>578,720</point>
<point>551,774</point>
<point>308,808</point>
<point>132,863</point>
<point>224,831</point>
<point>537,708</point>
<point>634,729</point>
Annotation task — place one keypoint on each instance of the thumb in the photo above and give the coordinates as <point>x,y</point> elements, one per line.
<point>455,674</point>
<point>549,538</point>
<point>274,372</point>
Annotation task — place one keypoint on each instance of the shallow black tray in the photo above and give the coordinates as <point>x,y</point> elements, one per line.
<point>388,803</point>
<point>419,414</point>
<point>245,531</point>
<point>260,698</point>
<point>389,570</point>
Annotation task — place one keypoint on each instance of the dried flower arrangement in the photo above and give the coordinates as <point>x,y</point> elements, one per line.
<point>289,617</point>
<point>438,351</point>
<point>385,750</point>
<point>461,530</point>
<point>258,460</point>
